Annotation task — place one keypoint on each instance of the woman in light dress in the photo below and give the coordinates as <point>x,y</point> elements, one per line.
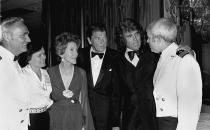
<point>39,87</point>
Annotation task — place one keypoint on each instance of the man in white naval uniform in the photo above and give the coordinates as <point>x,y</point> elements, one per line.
<point>14,114</point>
<point>177,80</point>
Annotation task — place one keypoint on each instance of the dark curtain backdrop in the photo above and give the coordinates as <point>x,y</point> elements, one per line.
<point>76,15</point>
<point>111,12</point>
<point>60,16</point>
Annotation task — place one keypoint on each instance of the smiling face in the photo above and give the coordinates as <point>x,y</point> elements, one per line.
<point>18,38</point>
<point>98,41</point>
<point>70,54</point>
<point>38,59</point>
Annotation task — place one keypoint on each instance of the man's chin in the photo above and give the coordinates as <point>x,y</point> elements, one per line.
<point>101,49</point>
<point>73,61</point>
<point>21,51</point>
<point>135,48</point>
<point>43,65</point>
<point>24,49</point>
<point>153,51</point>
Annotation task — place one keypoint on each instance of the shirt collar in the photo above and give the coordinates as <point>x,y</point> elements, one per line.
<point>128,49</point>
<point>171,49</point>
<point>6,53</point>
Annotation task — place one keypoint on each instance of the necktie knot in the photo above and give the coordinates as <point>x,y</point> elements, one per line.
<point>132,53</point>
<point>100,55</point>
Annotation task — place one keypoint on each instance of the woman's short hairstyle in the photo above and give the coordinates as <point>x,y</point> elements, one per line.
<point>127,25</point>
<point>33,48</point>
<point>62,40</point>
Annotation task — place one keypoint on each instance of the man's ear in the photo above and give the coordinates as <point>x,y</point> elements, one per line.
<point>6,36</point>
<point>89,41</point>
<point>0,33</point>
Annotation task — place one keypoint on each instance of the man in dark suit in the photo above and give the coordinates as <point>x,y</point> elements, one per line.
<point>103,86</point>
<point>136,68</point>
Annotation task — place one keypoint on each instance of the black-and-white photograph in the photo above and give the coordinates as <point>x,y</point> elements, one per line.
<point>104,65</point>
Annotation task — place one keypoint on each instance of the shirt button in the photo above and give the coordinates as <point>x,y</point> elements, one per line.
<point>157,98</point>
<point>21,121</point>
<point>163,99</point>
<point>72,101</point>
<point>20,110</point>
<point>161,109</point>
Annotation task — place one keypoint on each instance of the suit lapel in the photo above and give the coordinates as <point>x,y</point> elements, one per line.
<point>134,74</point>
<point>88,67</point>
<point>141,61</point>
<point>127,73</point>
<point>141,68</point>
<point>104,66</point>
<point>141,56</point>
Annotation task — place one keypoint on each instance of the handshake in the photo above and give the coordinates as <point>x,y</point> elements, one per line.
<point>68,93</point>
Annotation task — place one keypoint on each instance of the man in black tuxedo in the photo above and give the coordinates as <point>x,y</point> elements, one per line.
<point>103,87</point>
<point>136,68</point>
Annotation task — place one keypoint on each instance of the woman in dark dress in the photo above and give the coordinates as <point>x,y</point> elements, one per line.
<point>70,110</point>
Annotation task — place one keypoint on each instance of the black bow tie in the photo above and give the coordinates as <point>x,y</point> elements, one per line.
<point>100,55</point>
<point>131,54</point>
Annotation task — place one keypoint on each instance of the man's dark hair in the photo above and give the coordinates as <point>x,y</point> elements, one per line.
<point>127,25</point>
<point>96,27</point>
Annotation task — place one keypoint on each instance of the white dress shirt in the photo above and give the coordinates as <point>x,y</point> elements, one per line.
<point>14,114</point>
<point>178,88</point>
<point>39,90</point>
<point>96,63</point>
<point>135,60</point>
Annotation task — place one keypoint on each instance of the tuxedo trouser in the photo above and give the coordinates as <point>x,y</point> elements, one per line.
<point>167,123</point>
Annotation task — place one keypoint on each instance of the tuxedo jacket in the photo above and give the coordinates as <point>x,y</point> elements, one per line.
<point>138,106</point>
<point>104,97</point>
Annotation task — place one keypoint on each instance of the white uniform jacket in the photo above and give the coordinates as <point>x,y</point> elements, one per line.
<point>178,88</point>
<point>14,113</point>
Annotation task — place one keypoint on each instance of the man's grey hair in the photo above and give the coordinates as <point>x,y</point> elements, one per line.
<point>165,28</point>
<point>7,23</point>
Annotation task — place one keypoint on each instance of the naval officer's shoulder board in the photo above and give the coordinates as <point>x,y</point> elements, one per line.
<point>183,52</point>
